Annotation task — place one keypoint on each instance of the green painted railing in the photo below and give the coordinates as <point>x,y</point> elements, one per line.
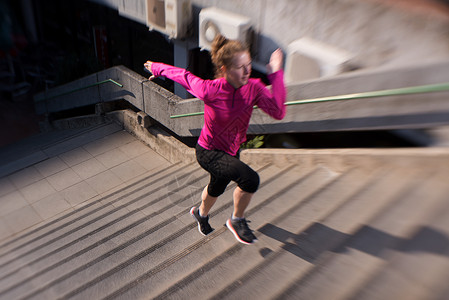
<point>440,87</point>
<point>83,88</point>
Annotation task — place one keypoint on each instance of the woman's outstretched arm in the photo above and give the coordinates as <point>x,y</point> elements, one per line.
<point>196,86</point>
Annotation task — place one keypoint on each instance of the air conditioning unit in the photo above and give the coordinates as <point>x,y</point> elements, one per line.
<point>213,21</point>
<point>308,59</point>
<point>171,17</point>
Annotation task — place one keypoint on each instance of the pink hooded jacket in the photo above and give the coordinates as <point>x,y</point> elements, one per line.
<point>227,111</point>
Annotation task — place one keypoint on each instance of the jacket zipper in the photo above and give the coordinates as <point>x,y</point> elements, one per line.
<point>233,97</point>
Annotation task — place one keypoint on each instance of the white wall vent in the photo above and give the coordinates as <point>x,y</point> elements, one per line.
<point>171,17</point>
<point>213,20</point>
<point>308,59</point>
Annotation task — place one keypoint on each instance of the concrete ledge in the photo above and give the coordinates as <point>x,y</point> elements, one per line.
<point>132,86</point>
<point>341,160</point>
<point>338,160</point>
<point>159,104</point>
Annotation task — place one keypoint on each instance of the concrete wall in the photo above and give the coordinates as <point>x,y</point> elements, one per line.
<point>376,32</point>
<point>387,112</point>
<point>132,86</point>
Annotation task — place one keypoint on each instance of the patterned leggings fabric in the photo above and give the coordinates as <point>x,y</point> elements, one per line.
<point>224,168</point>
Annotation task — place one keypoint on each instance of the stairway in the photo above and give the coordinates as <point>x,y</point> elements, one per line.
<point>363,233</point>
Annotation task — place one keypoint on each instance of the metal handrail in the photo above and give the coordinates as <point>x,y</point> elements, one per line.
<point>82,88</point>
<point>440,87</point>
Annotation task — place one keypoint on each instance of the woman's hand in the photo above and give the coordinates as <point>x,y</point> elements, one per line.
<point>148,66</point>
<point>276,61</point>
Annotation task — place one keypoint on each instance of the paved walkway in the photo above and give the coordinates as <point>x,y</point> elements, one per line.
<point>70,175</point>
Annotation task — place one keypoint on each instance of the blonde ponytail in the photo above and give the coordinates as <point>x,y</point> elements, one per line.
<point>223,50</point>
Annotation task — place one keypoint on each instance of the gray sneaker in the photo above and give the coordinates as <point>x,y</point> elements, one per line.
<point>203,222</point>
<point>241,231</point>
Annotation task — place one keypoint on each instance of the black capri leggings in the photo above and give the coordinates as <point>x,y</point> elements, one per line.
<point>223,169</point>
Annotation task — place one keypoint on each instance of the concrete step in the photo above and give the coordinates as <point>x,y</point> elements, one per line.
<point>126,261</point>
<point>73,242</point>
<point>415,262</point>
<point>359,250</point>
<point>65,234</point>
<point>221,242</point>
<point>270,274</point>
<point>273,239</point>
<point>282,261</point>
<point>322,233</point>
<point>88,230</point>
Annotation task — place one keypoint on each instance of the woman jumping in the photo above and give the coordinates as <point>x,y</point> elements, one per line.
<point>228,105</point>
